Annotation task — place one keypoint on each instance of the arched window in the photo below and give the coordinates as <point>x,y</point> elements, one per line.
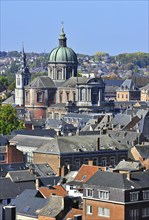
<point>59,74</point>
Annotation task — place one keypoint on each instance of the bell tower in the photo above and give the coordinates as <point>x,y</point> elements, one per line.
<point>23,78</point>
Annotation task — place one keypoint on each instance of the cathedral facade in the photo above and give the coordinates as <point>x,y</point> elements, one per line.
<point>62,90</point>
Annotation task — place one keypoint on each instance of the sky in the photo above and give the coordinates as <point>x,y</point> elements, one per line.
<point>109,26</point>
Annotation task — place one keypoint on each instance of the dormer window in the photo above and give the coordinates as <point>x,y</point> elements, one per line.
<point>103,195</point>
<point>89,192</point>
<point>134,196</point>
<point>146,194</point>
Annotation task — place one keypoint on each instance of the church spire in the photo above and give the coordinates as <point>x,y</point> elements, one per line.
<point>23,59</point>
<point>62,37</point>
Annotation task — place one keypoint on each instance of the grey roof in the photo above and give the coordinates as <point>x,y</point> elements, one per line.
<point>145,87</point>
<point>120,119</point>
<point>42,170</point>
<point>51,180</point>
<point>54,123</point>
<point>4,168</point>
<point>10,100</point>
<point>41,82</point>
<point>124,137</point>
<point>128,165</point>
<point>72,144</point>
<point>30,141</point>
<point>8,189</point>
<point>53,207</point>
<point>44,133</point>
<point>71,82</point>
<point>28,202</point>
<point>143,150</point>
<point>113,82</point>
<point>128,84</point>
<point>3,140</point>
<point>21,176</point>
<point>117,180</point>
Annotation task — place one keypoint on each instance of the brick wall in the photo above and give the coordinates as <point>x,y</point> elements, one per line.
<point>13,155</point>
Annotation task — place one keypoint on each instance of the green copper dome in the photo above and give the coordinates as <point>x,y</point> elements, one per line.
<point>63,54</point>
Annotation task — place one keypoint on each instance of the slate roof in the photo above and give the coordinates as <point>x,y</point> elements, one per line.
<point>10,100</point>
<point>54,206</point>
<point>42,170</point>
<point>128,84</point>
<point>143,150</point>
<point>124,137</point>
<point>8,189</point>
<point>41,82</point>
<point>117,180</point>
<point>72,144</point>
<point>68,145</point>
<point>28,202</point>
<point>120,119</point>
<point>71,82</point>
<point>52,180</point>
<point>4,168</point>
<point>145,87</point>
<point>3,140</point>
<point>30,141</point>
<point>44,133</point>
<point>21,176</point>
<point>113,82</point>
<point>128,165</point>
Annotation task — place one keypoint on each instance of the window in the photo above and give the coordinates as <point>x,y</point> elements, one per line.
<point>74,97</point>
<point>145,212</point>
<point>118,96</point>
<point>122,96</point>
<point>89,210</point>
<point>2,157</point>
<point>60,97</point>
<point>126,96</point>
<point>104,161</point>
<point>67,96</point>
<point>89,192</point>
<point>103,212</point>
<point>134,196</point>
<point>18,81</point>
<point>134,214</point>
<point>95,161</point>
<point>77,162</point>
<point>26,96</point>
<point>146,194</point>
<point>86,160</point>
<point>112,160</point>
<point>39,96</point>
<point>103,194</point>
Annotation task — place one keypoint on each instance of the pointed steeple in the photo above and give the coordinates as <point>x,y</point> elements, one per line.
<point>23,59</point>
<point>62,37</point>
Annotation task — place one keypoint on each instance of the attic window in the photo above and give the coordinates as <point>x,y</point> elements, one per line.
<point>26,208</point>
<point>83,178</point>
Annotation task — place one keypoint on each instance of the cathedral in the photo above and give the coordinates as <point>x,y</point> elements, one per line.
<point>60,92</point>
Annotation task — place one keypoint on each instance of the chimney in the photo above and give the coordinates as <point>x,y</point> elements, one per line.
<point>9,212</point>
<point>129,175</point>
<point>90,163</point>
<point>37,184</point>
<point>98,144</point>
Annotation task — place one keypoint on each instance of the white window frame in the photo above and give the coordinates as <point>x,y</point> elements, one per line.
<point>95,161</point>
<point>89,210</point>
<point>134,196</point>
<point>102,194</point>
<point>104,161</point>
<point>146,194</point>
<point>103,212</point>
<point>89,192</point>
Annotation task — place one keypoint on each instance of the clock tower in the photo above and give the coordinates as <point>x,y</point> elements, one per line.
<point>23,78</point>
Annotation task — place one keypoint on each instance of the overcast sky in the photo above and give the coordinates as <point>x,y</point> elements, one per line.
<point>90,26</point>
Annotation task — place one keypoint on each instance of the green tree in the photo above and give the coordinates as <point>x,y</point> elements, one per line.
<point>9,120</point>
